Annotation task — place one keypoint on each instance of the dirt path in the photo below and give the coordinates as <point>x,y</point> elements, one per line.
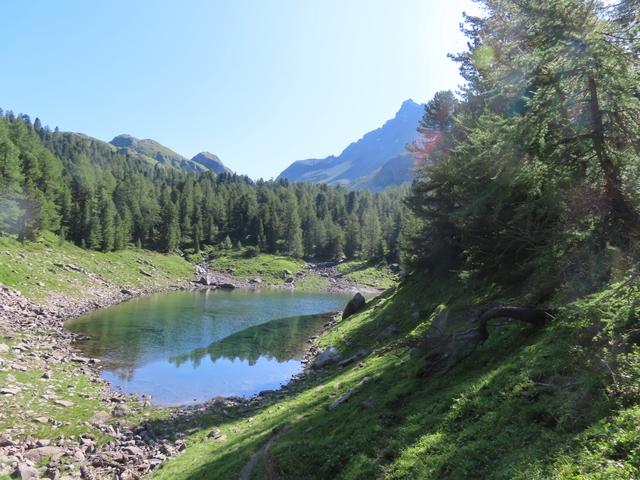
<point>260,455</point>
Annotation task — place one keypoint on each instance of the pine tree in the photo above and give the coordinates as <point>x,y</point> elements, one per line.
<point>108,222</point>
<point>169,224</point>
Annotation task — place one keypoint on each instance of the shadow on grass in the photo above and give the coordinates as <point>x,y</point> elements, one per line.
<point>507,411</point>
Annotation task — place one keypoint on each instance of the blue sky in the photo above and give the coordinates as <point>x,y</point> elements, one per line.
<point>261,83</point>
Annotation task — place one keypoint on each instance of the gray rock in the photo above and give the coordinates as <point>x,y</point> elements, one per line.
<point>138,452</point>
<point>40,453</point>
<point>79,455</point>
<point>10,390</point>
<point>350,393</point>
<point>355,305</point>
<point>128,475</point>
<point>99,418</point>
<point>368,403</point>
<point>25,472</point>
<point>121,411</point>
<point>330,355</point>
<point>358,356</point>
<point>6,441</point>
<point>387,332</point>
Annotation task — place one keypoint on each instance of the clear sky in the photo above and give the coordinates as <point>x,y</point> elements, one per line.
<point>261,83</point>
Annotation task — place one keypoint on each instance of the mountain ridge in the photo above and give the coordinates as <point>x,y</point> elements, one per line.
<point>375,161</point>
<point>158,153</point>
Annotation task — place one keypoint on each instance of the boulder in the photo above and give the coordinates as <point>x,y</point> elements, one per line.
<point>135,451</point>
<point>121,411</point>
<point>330,355</point>
<point>354,306</point>
<point>100,418</point>
<point>10,390</point>
<point>26,472</point>
<point>38,454</point>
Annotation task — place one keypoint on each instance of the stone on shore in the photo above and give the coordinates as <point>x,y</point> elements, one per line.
<point>329,356</point>
<point>354,306</point>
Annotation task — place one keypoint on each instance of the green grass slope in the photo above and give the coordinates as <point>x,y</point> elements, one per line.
<point>366,273</point>
<point>271,269</point>
<point>561,402</point>
<point>40,268</point>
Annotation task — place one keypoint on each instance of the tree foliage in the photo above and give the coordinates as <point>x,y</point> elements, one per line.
<point>537,167</point>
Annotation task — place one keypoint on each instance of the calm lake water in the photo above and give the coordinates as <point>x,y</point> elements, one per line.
<point>187,347</point>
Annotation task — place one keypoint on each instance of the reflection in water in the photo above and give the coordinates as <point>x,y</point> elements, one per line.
<point>281,340</point>
<point>190,346</point>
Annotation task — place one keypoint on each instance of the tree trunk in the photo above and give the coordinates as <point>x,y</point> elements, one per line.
<point>447,350</point>
<point>621,211</point>
<point>533,316</point>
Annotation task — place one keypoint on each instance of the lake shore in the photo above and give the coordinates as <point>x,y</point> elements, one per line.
<point>116,437</point>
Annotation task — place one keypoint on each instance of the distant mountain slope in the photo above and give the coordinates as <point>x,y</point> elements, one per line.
<point>376,161</point>
<point>212,162</point>
<point>156,152</point>
<point>394,172</point>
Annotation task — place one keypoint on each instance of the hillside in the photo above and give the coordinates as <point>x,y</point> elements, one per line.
<point>375,161</point>
<point>527,404</point>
